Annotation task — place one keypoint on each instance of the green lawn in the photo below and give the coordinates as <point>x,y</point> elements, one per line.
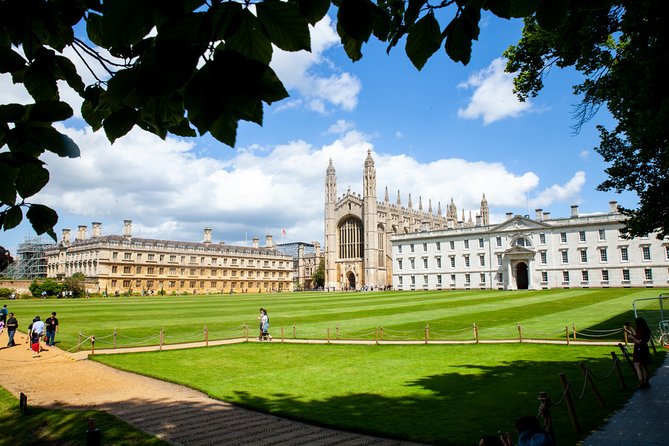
<point>403,315</point>
<point>437,394</point>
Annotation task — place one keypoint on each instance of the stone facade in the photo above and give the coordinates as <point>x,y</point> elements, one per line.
<point>358,230</point>
<point>523,253</point>
<point>123,263</point>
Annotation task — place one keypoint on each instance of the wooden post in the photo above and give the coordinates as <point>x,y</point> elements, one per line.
<point>570,403</point>
<point>79,343</point>
<point>520,331</point>
<point>206,336</point>
<point>566,330</point>
<point>23,403</point>
<point>294,332</point>
<point>427,332</point>
<point>588,378</point>
<point>573,328</point>
<point>627,358</point>
<point>476,333</point>
<point>382,332</point>
<point>92,344</point>
<point>114,338</point>
<point>376,335</point>
<point>625,335</point>
<point>619,373</point>
<point>337,332</point>
<point>545,413</point>
<point>282,334</point>
<point>328,335</point>
<point>162,338</point>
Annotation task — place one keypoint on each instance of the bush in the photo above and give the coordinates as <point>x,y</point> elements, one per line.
<point>51,287</point>
<point>6,292</point>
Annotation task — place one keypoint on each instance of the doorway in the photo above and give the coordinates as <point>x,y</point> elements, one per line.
<point>522,279</point>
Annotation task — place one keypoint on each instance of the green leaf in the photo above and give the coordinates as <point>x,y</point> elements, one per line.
<point>31,179</point>
<point>12,217</point>
<point>380,23</point>
<point>412,11</point>
<point>314,10</point>
<point>552,13</point>
<point>250,40</point>
<point>120,123</point>
<point>423,41</point>
<point>8,173</point>
<point>10,60</point>
<point>285,26</point>
<point>49,111</point>
<point>40,79</point>
<point>94,28</point>
<point>523,8</point>
<point>352,46</point>
<point>12,112</point>
<point>355,18</point>
<point>66,71</point>
<point>52,140</point>
<point>225,19</point>
<point>43,219</point>
<point>458,41</point>
<point>125,22</point>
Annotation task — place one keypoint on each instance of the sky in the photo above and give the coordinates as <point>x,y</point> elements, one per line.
<point>447,131</point>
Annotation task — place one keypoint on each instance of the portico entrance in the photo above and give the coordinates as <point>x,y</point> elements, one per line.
<point>522,280</point>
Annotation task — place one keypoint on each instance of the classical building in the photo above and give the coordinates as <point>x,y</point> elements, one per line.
<point>306,258</point>
<point>358,230</point>
<point>580,251</point>
<point>125,263</point>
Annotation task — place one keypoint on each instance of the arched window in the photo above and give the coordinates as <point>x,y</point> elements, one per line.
<point>382,246</point>
<point>522,241</point>
<point>350,239</point>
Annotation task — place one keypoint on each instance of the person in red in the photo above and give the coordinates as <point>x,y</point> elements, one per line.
<point>641,355</point>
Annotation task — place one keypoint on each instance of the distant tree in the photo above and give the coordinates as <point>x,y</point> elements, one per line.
<point>75,283</point>
<point>621,48</point>
<point>51,287</point>
<point>189,67</point>
<point>6,258</point>
<point>319,275</point>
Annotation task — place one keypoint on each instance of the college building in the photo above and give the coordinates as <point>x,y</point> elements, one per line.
<point>358,230</point>
<point>127,264</point>
<point>580,251</point>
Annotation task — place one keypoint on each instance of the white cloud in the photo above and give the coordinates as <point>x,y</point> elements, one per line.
<point>493,97</point>
<point>341,126</point>
<point>560,193</point>
<point>314,77</point>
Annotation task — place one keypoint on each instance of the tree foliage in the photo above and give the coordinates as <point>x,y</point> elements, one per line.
<point>620,47</point>
<point>189,67</point>
<point>319,275</point>
<point>6,258</point>
<point>52,287</point>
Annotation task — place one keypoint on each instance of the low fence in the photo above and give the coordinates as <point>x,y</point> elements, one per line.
<point>473,334</point>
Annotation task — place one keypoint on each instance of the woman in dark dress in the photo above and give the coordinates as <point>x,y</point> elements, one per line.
<point>641,356</point>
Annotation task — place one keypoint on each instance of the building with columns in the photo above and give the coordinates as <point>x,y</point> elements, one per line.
<point>579,251</point>
<point>358,230</point>
<point>128,264</point>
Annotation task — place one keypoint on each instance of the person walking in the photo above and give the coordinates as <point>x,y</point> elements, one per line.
<point>641,354</point>
<point>36,333</point>
<point>264,326</point>
<point>51,329</point>
<point>11,325</point>
<point>3,313</point>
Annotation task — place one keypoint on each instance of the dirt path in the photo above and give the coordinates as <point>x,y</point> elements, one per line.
<point>172,412</point>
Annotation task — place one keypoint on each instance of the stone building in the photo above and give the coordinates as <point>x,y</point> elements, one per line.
<point>123,263</point>
<point>306,258</point>
<point>358,230</point>
<point>580,251</point>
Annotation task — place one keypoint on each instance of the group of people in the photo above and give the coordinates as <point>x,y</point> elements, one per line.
<point>38,330</point>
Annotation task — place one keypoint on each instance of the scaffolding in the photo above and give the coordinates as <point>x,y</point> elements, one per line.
<point>30,262</point>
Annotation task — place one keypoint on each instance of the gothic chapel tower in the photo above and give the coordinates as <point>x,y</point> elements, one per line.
<point>370,222</point>
<point>330,225</point>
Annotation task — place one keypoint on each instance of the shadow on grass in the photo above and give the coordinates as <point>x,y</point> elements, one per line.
<point>458,408</point>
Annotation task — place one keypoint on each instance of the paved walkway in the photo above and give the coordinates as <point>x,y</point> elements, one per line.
<point>644,421</point>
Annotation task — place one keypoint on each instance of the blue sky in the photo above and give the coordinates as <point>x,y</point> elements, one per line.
<point>446,131</point>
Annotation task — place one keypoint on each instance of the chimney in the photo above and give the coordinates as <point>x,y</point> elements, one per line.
<point>256,243</point>
<point>509,215</point>
<point>268,241</point>
<point>613,207</point>
<point>538,214</point>
<point>547,215</point>
<point>317,246</point>
<point>66,236</point>
<point>574,210</point>
<point>207,235</point>
<point>127,228</point>
<point>81,232</point>
<point>478,220</point>
<point>97,229</point>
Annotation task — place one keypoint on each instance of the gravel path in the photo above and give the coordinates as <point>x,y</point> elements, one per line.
<point>172,412</point>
